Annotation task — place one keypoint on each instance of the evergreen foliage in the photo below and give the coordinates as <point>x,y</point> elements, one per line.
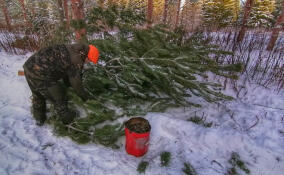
<point>261,14</point>
<point>141,70</point>
<point>277,11</point>
<point>114,17</point>
<point>219,13</point>
<point>142,166</point>
<point>237,163</point>
<point>191,14</point>
<point>165,158</point>
<point>156,68</point>
<point>188,169</point>
<point>87,129</point>
<point>200,121</point>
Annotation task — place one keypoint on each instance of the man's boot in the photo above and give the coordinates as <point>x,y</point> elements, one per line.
<point>66,115</point>
<point>69,117</point>
<point>39,110</point>
<point>57,95</point>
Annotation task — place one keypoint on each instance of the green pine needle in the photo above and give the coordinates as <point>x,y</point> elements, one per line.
<point>188,169</point>
<point>237,163</point>
<point>140,71</point>
<point>142,166</point>
<point>165,158</point>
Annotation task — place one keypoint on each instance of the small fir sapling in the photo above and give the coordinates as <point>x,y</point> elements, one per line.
<point>165,158</point>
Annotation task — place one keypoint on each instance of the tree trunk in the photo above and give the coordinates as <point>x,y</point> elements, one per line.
<point>6,14</point>
<point>33,6</point>
<point>101,3</point>
<point>110,2</point>
<point>24,12</point>
<point>60,9</point>
<point>177,16</point>
<point>248,6</point>
<point>78,11</point>
<point>165,15</point>
<point>66,13</point>
<point>149,13</point>
<point>276,29</point>
<point>182,18</point>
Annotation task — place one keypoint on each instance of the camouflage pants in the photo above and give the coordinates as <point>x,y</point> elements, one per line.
<point>42,91</point>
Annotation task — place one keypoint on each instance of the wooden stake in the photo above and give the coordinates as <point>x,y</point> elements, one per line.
<point>21,73</point>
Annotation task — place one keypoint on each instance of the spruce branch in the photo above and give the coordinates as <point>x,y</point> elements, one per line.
<point>79,130</point>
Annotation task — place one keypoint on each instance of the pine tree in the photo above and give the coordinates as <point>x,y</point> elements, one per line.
<point>140,70</point>
<point>277,9</point>
<point>261,14</point>
<point>246,13</point>
<point>276,29</point>
<point>236,6</point>
<point>149,13</point>
<point>6,14</point>
<point>218,13</point>
<point>78,11</point>
<point>177,15</point>
<point>191,14</point>
<point>165,12</point>
<point>172,6</point>
<point>24,11</point>
<point>66,14</point>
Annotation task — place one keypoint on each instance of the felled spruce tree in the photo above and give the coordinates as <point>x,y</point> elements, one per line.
<point>141,70</point>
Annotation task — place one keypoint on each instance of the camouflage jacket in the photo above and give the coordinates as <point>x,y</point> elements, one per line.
<point>51,64</point>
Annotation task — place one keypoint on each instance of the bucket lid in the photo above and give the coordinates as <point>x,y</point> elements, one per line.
<point>138,125</point>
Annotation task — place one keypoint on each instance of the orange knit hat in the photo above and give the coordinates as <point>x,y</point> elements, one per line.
<point>93,54</point>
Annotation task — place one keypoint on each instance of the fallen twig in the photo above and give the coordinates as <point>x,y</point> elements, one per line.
<point>254,123</point>
<point>232,117</point>
<point>214,161</point>
<point>268,107</point>
<point>79,130</point>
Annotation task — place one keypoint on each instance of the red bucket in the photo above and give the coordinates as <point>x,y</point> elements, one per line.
<point>137,143</point>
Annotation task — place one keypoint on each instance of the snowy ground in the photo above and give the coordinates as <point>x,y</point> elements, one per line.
<point>252,125</point>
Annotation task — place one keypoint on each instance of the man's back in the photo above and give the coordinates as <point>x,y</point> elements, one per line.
<point>55,62</point>
<point>49,64</point>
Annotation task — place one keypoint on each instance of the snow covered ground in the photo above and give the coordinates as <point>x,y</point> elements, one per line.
<point>251,125</point>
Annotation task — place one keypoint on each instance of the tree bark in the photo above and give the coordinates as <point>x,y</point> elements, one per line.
<point>276,29</point>
<point>110,2</point>
<point>165,14</point>
<point>6,14</point>
<point>60,9</point>
<point>101,3</point>
<point>66,13</point>
<point>248,7</point>
<point>24,12</point>
<point>177,16</point>
<point>149,13</point>
<point>78,11</point>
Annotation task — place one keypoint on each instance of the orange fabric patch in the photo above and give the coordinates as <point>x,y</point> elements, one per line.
<point>36,67</point>
<point>93,54</point>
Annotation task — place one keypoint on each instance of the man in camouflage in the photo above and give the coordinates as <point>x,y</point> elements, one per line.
<point>45,69</point>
